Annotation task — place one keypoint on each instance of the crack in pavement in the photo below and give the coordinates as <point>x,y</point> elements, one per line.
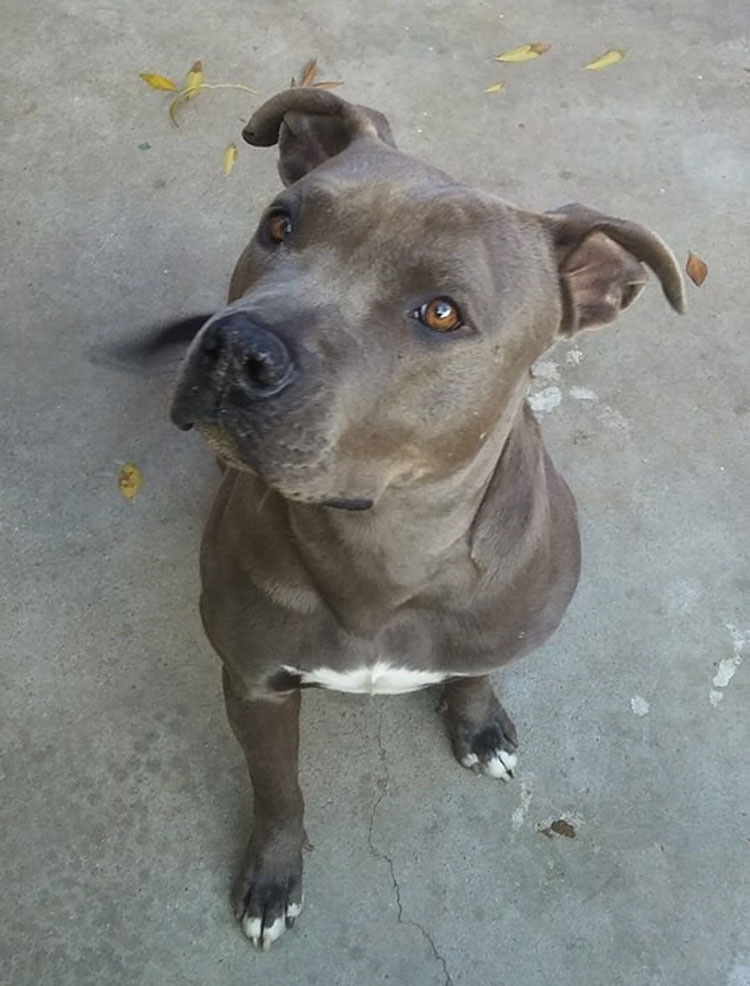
<point>382,788</point>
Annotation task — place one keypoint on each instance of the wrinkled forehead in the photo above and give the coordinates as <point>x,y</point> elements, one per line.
<point>385,215</point>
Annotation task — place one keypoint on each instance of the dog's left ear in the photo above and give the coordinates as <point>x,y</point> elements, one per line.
<point>600,260</point>
<point>311,125</point>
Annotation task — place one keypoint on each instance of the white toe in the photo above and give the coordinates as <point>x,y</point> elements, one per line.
<point>263,937</point>
<point>252,928</point>
<point>509,759</point>
<point>496,768</point>
<point>274,932</point>
<point>470,760</point>
<point>294,910</point>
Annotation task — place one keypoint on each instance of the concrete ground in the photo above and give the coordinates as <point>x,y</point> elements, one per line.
<point>124,796</point>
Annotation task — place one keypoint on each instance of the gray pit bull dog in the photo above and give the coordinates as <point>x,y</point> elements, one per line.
<point>388,517</point>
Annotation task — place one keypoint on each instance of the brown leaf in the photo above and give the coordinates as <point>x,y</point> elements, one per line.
<point>229,159</point>
<point>697,269</point>
<point>560,826</point>
<point>158,81</point>
<point>524,52</point>
<point>194,79</point>
<point>309,72</point>
<point>611,57</point>
<point>130,480</point>
<point>326,85</point>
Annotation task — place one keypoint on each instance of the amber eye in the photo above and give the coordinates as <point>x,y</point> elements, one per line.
<point>440,314</point>
<point>278,227</point>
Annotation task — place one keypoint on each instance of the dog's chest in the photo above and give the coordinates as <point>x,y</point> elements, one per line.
<point>380,678</point>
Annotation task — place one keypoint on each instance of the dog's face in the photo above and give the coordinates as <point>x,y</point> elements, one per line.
<point>384,317</point>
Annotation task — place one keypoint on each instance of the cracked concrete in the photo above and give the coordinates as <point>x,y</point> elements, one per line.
<point>124,794</point>
<point>381,784</point>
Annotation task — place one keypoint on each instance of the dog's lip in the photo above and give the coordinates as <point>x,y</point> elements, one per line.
<point>179,418</point>
<point>185,421</point>
<point>181,415</point>
<point>349,503</point>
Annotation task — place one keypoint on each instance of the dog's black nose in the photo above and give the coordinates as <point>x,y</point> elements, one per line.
<point>262,358</point>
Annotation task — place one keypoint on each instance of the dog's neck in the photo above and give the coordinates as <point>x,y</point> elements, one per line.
<point>413,530</point>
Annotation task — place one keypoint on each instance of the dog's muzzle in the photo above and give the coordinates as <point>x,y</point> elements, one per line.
<point>234,363</point>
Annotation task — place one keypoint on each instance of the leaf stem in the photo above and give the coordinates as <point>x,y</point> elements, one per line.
<point>222,85</point>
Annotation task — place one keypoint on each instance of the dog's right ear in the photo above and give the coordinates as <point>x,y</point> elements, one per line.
<point>311,125</point>
<point>600,260</point>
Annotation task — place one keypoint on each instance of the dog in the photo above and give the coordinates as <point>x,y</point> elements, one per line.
<point>388,518</point>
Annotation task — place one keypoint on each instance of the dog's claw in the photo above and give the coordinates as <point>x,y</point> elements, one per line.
<point>263,937</point>
<point>501,764</point>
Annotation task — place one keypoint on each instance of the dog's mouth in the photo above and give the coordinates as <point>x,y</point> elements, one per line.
<point>225,448</point>
<point>222,447</point>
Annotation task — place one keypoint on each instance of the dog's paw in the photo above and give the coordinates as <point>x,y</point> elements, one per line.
<point>267,901</point>
<point>263,931</point>
<point>488,747</point>
<point>500,764</point>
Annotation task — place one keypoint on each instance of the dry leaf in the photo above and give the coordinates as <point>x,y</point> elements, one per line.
<point>611,57</point>
<point>309,72</point>
<point>696,269</point>
<point>176,102</point>
<point>495,87</point>
<point>187,93</point>
<point>229,158</point>
<point>130,480</point>
<point>194,79</point>
<point>158,81</point>
<point>524,52</point>
<point>326,85</point>
<point>560,826</point>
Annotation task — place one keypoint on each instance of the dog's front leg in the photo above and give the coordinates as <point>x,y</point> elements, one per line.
<point>268,892</point>
<point>481,731</point>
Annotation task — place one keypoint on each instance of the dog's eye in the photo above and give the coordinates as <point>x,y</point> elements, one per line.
<point>441,315</point>
<point>278,227</point>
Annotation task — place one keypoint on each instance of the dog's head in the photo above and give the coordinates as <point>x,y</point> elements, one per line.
<point>383,318</point>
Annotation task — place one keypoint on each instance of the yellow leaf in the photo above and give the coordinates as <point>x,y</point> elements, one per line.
<point>176,102</point>
<point>130,480</point>
<point>524,52</point>
<point>194,79</point>
<point>326,85</point>
<point>229,159</point>
<point>696,268</point>
<point>611,57</point>
<point>158,81</point>
<point>495,87</point>
<point>309,72</point>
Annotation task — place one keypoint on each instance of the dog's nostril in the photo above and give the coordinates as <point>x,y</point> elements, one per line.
<point>263,371</point>
<point>266,362</point>
<point>255,361</point>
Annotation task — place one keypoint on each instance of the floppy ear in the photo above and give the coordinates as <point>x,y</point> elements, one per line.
<point>600,260</point>
<point>311,125</point>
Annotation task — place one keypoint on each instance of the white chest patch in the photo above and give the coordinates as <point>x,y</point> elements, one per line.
<point>373,679</point>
